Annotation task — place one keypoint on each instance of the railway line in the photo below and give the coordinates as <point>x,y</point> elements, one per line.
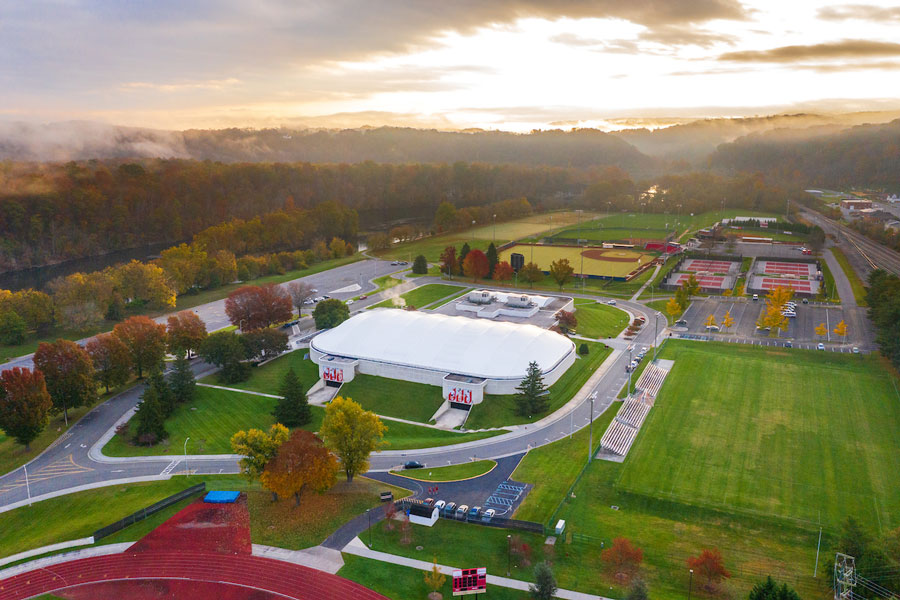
<point>873,254</point>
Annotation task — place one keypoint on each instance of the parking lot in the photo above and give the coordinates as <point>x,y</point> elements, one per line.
<point>746,313</point>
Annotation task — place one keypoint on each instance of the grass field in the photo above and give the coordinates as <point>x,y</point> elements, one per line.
<point>267,378</point>
<point>772,433</point>
<point>420,297</point>
<point>660,305</point>
<point>599,320</point>
<point>451,473</point>
<point>859,288</point>
<point>394,397</point>
<point>611,233</point>
<point>13,454</point>
<point>498,411</point>
<point>614,263</point>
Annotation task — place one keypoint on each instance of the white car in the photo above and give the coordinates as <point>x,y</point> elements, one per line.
<point>821,346</point>
<point>440,504</point>
<point>855,350</point>
<point>611,302</point>
<point>712,327</point>
<point>350,301</point>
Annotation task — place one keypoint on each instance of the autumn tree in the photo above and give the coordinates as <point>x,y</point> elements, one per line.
<point>531,273</point>
<point>330,313</point>
<point>302,462</point>
<point>711,321</point>
<point>622,560</point>
<point>434,580</point>
<point>709,567</point>
<point>337,247</point>
<point>300,292</point>
<point>264,344</point>
<point>841,330</point>
<point>503,271</point>
<point>81,300</point>
<point>821,330</point>
<point>673,308</point>
<point>292,409</point>
<point>183,264</point>
<point>566,321</point>
<point>145,284</point>
<point>145,340</point>
<point>420,265</point>
<point>475,265</point>
<point>532,396</point>
<point>449,262</point>
<point>692,286</point>
<point>352,434</point>
<point>225,350</point>
<point>24,404</point>
<point>253,307</point>
<point>12,328</point>
<point>257,448</point>
<point>739,290</point>
<point>561,272</point>
<point>184,333</point>
<point>69,374</point>
<point>378,241</point>
<point>111,360</point>
<point>445,217</point>
<point>727,320</point>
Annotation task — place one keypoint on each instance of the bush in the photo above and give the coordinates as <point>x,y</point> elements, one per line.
<point>583,349</point>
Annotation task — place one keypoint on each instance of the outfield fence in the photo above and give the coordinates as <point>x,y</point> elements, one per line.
<point>148,511</point>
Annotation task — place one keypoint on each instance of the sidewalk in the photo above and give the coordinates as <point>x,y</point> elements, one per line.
<point>358,548</point>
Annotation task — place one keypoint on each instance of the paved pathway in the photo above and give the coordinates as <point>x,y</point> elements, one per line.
<point>358,548</point>
<point>638,293</point>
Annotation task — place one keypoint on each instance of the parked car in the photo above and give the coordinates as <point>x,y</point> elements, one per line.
<point>712,327</point>
<point>755,297</point>
<point>412,464</point>
<point>681,322</point>
<point>789,344</point>
<point>350,301</point>
<point>789,314</point>
<point>394,263</point>
<point>364,297</point>
<point>462,511</point>
<point>387,496</point>
<point>488,515</point>
<point>450,509</point>
<point>611,302</point>
<point>805,301</point>
<point>440,504</point>
<point>428,501</point>
<point>855,350</point>
<point>325,297</point>
<point>474,513</point>
<point>820,346</point>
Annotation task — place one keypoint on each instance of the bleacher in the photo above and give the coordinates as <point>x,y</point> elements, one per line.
<point>651,380</point>
<point>618,438</point>
<point>622,432</point>
<point>633,412</point>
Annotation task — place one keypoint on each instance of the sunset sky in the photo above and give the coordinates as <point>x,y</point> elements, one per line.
<point>504,64</point>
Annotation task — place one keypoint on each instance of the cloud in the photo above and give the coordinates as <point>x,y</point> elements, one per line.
<point>209,84</point>
<point>861,12</point>
<point>676,35</point>
<point>856,66</point>
<point>845,49</point>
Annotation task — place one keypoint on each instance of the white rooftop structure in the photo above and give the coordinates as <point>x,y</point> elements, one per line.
<point>447,345</point>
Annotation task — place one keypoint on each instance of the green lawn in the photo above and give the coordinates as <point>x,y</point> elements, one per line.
<point>859,288</point>
<point>603,234</point>
<point>449,299</point>
<point>831,291</point>
<point>394,397</point>
<point>653,289</point>
<point>599,320</point>
<point>451,473</point>
<point>13,454</point>
<point>770,432</point>
<point>401,583</point>
<point>403,436</point>
<point>498,411</point>
<point>420,296</point>
<point>267,378</point>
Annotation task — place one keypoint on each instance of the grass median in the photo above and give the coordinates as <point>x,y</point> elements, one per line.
<point>859,288</point>
<point>599,320</point>
<point>451,473</point>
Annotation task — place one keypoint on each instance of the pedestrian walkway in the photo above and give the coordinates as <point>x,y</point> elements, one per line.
<point>317,557</point>
<point>638,293</point>
<point>358,548</point>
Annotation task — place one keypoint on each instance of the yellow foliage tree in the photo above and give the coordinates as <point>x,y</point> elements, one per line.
<point>841,330</point>
<point>352,433</point>
<point>302,462</point>
<point>258,448</point>
<point>774,320</point>
<point>711,321</point>
<point>434,579</point>
<point>673,308</point>
<point>821,330</point>
<point>739,290</point>
<point>727,320</point>
<point>780,295</point>
<point>727,293</point>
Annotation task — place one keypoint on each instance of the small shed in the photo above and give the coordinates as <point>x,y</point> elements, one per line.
<point>422,514</point>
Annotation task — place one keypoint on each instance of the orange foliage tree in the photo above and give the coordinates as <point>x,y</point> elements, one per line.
<point>303,462</point>
<point>622,560</point>
<point>476,265</point>
<point>145,340</point>
<point>185,333</point>
<point>503,271</point>
<point>254,307</point>
<point>709,568</point>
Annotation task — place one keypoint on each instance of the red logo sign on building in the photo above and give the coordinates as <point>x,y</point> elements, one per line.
<point>333,374</point>
<point>461,396</point>
<point>469,581</point>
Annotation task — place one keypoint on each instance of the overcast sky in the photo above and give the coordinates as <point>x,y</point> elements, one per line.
<point>503,64</point>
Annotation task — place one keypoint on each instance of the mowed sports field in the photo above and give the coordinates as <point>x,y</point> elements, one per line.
<point>802,435</point>
<point>604,262</point>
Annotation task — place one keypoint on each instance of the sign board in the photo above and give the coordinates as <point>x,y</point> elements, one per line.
<point>469,581</point>
<point>333,374</point>
<point>459,395</point>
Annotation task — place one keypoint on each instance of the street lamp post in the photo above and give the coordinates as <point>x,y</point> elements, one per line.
<point>691,584</point>
<point>655,333</point>
<point>369,514</point>
<point>591,430</point>
<point>508,552</point>
<point>27,486</point>
<point>241,325</point>
<point>186,471</point>
<point>473,230</point>
<point>630,348</point>
<point>494,232</point>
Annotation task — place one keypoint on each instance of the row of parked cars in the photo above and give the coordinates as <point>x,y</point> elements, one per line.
<point>461,512</point>
<point>636,360</point>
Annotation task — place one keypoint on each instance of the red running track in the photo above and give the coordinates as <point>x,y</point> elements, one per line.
<point>218,574</point>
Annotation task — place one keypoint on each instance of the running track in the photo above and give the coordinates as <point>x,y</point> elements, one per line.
<point>258,577</point>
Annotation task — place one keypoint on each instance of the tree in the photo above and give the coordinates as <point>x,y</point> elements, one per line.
<point>12,328</point>
<point>24,404</point>
<point>164,394</point>
<point>637,590</point>
<point>583,349</point>
<point>111,359</point>
<point>503,271</point>
<point>622,560</point>
<point>449,262</point>
<point>253,307</point>
<point>475,265</point>
<point>769,590</point>
<point>561,272</point>
<point>145,284</point>
<point>532,396</point>
<point>681,296</point>
<point>815,239</point>
<point>463,252</point>
<point>145,340</point>
<point>183,264</point>
<point>420,265</point>
<point>292,409</point>
<point>263,344</point>
<point>544,586</point>
<point>258,447</point>
<point>302,462</point>
<point>711,321</point>
<point>150,425</point>
<point>330,313</point>
<point>352,433</point>
<point>841,330</point>
<point>780,295</point>
<point>300,292</point>
<point>445,217</point>
<point>821,330</point>
<point>225,350</point>
<point>774,319</point>
<point>434,579</point>
<point>566,321</point>
<point>709,567</point>
<point>727,320</point>
<point>739,290</point>
<point>492,258</point>
<point>337,247</point>
<point>692,286</point>
<point>185,332</point>
<point>378,241</point>
<point>69,374</point>
<point>673,308</point>
<point>531,273</point>
<point>182,381</point>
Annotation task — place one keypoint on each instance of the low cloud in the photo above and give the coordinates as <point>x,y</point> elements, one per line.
<point>860,12</point>
<point>845,49</point>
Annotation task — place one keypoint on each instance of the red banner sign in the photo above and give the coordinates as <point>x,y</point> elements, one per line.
<point>469,581</point>
<point>462,396</point>
<point>333,374</point>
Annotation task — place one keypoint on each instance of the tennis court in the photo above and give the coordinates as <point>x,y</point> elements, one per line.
<point>719,282</point>
<point>802,286</point>
<point>771,267</point>
<point>699,265</point>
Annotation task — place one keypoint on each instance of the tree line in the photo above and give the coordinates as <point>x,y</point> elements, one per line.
<point>883,297</point>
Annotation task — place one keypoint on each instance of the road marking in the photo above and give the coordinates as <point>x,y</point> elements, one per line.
<point>171,466</point>
<point>60,468</point>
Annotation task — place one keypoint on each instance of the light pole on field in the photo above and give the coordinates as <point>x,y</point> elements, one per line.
<point>508,552</point>
<point>473,230</point>
<point>369,514</point>
<point>27,485</point>
<point>494,233</point>
<point>630,349</point>
<point>655,334</point>
<point>691,584</point>
<point>591,430</point>
<point>186,471</point>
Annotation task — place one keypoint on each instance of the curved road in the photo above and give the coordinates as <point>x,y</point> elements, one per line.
<point>75,461</point>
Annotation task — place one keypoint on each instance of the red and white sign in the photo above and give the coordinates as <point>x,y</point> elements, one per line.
<point>461,396</point>
<point>333,374</point>
<point>469,581</point>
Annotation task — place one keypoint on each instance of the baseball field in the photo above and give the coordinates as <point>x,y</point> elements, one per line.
<point>598,262</point>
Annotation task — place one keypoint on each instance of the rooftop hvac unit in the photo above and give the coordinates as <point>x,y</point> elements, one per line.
<point>482,297</point>
<point>518,301</point>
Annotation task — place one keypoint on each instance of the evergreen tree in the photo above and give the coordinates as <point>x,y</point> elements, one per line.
<point>770,591</point>
<point>544,586</point>
<point>420,265</point>
<point>493,259</point>
<point>292,409</point>
<point>150,425</point>
<point>182,381</point>
<point>637,590</point>
<point>532,397</point>
<point>164,394</point>
<point>462,255</point>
